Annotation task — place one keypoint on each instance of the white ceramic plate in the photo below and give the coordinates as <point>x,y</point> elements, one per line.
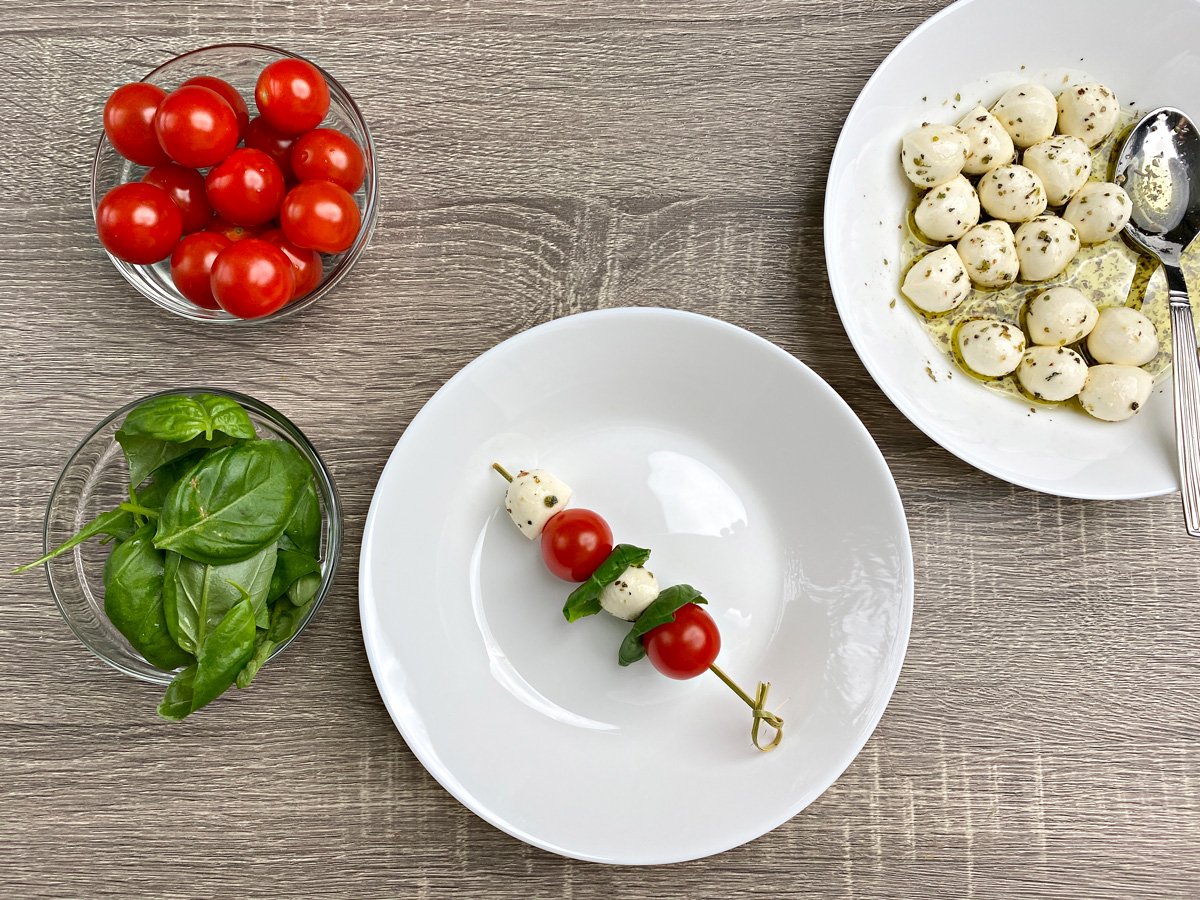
<point>746,475</point>
<point>976,49</point>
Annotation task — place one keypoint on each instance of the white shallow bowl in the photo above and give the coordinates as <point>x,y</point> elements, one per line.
<point>975,49</point>
<point>746,475</point>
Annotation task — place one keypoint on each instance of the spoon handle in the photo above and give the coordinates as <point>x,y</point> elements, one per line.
<point>1187,397</point>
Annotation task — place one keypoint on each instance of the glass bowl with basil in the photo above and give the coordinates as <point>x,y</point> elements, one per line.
<point>189,539</point>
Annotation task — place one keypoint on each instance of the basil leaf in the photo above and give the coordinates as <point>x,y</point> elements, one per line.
<point>304,530</point>
<point>290,566</point>
<point>263,648</point>
<point>146,455</point>
<point>198,596</point>
<point>180,419</point>
<point>286,620</point>
<point>223,654</point>
<point>660,612</point>
<point>116,523</point>
<point>304,590</point>
<point>585,599</point>
<point>177,701</point>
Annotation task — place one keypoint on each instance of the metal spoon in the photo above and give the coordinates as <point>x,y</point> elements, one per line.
<point>1159,167</point>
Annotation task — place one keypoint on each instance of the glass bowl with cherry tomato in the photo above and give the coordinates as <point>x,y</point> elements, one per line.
<point>235,183</point>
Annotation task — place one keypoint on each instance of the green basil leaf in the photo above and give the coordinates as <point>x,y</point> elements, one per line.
<point>585,599</point>
<point>660,612</point>
<point>304,530</point>
<point>286,620</point>
<point>177,701</point>
<point>225,650</point>
<point>263,648</point>
<point>290,566</point>
<point>304,590</point>
<point>116,523</point>
<point>180,419</point>
<point>146,455</point>
<point>198,596</point>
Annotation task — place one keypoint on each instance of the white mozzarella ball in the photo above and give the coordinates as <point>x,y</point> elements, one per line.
<point>1064,164</point>
<point>1114,393</point>
<point>938,282</point>
<point>933,154</point>
<point>989,347</point>
<point>532,498</point>
<point>948,211</point>
<point>1053,374</point>
<point>1124,337</point>
<point>991,145</point>
<point>1088,112</point>
<point>1012,193</point>
<point>989,254</point>
<point>1060,315</point>
<point>1099,211</point>
<point>1046,247</point>
<point>1028,113</point>
<point>628,596</point>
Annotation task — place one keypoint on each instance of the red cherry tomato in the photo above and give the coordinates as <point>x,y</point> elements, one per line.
<point>231,231</point>
<point>138,223</point>
<point>292,95</point>
<point>319,215</point>
<point>191,266</point>
<point>246,188</point>
<point>186,187</point>
<point>574,543</point>
<point>129,123</point>
<point>306,264</point>
<point>196,127</point>
<point>326,154</point>
<point>261,136</point>
<point>685,647</point>
<point>252,278</point>
<point>228,93</point>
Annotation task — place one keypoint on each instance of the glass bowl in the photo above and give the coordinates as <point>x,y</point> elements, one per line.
<point>96,479</point>
<point>239,64</point>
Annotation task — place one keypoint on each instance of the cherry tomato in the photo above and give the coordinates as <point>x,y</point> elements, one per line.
<point>685,647</point>
<point>129,123</point>
<point>231,231</point>
<point>191,266</point>
<point>574,543</point>
<point>252,278</point>
<point>292,95</point>
<point>196,127</point>
<point>261,136</point>
<point>319,215</point>
<point>246,188</point>
<point>139,223</point>
<point>306,264</point>
<point>228,93</point>
<point>186,187</point>
<point>326,154</point>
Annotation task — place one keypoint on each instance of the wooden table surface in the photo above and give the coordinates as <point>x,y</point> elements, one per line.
<point>538,158</point>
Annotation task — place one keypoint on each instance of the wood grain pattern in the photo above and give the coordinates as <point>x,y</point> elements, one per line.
<point>541,157</point>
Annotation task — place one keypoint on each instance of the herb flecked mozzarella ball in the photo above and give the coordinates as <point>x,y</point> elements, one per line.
<point>1046,247</point>
<point>1088,112</point>
<point>938,282</point>
<point>989,347</point>
<point>1115,393</point>
<point>1060,315</point>
<point>628,596</point>
<point>1099,211</point>
<point>948,211</point>
<point>989,254</point>
<point>532,498</point>
<point>1012,193</point>
<point>991,145</point>
<point>1124,337</point>
<point>1028,113</point>
<point>1064,164</point>
<point>1052,373</point>
<point>933,154</point>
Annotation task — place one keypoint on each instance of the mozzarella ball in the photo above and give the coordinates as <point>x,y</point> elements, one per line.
<point>1114,393</point>
<point>1045,247</point>
<point>1064,164</point>
<point>991,146</point>
<point>1088,112</point>
<point>532,498</point>
<point>938,282</point>
<point>1124,337</point>
<point>989,254</point>
<point>1012,193</point>
<point>933,154</point>
<point>628,596</point>
<point>1099,211</point>
<point>1060,315</point>
<point>1028,113</point>
<point>1053,374</point>
<point>989,347</point>
<point>948,211</point>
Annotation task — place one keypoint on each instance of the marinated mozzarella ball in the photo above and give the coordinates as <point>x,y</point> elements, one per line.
<point>933,154</point>
<point>628,596</point>
<point>1012,193</point>
<point>1114,393</point>
<point>1028,113</point>
<point>1052,373</point>
<point>1088,112</point>
<point>990,348</point>
<point>1064,164</point>
<point>938,282</point>
<point>532,498</point>
<point>991,146</point>
<point>948,211</point>
<point>1099,211</point>
<point>1060,315</point>
<point>989,254</point>
<point>1045,247</point>
<point>1123,336</point>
